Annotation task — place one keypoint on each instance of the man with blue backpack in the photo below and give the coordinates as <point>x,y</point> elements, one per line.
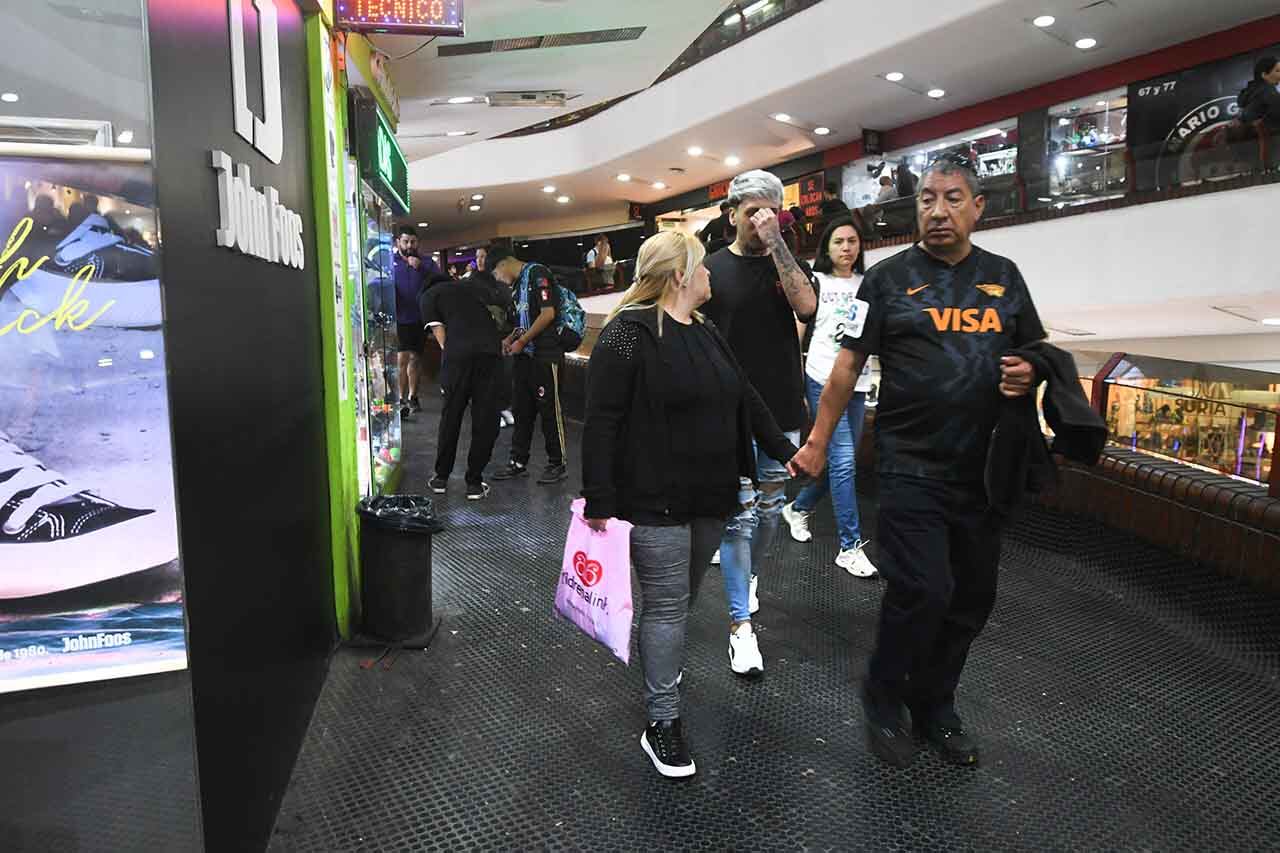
<point>549,322</point>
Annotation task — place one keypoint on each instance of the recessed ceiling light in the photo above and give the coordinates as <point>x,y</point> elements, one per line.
<point>458,133</point>
<point>1101,103</point>
<point>822,131</point>
<point>125,137</point>
<point>895,76</point>
<point>474,208</point>
<point>1044,200</point>
<point>695,151</point>
<point>782,117</point>
<point>1063,122</point>
<point>548,189</point>
<point>624,177</point>
<point>659,185</point>
<point>564,199</point>
<point>9,97</point>
<point>424,224</point>
<point>478,197</point>
<point>1045,21</point>
<point>462,99</point>
<point>1271,321</point>
<point>1087,43</point>
<point>733,160</point>
<point>937,93</point>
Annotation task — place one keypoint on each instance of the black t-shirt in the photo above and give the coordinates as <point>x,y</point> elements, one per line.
<point>940,332</point>
<point>701,396</point>
<point>752,312</point>
<point>529,302</point>
<point>461,308</point>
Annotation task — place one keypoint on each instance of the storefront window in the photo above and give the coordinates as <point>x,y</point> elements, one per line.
<point>1086,149</point>
<point>381,372</point>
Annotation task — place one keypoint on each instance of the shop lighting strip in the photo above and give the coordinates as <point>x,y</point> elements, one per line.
<point>75,152</point>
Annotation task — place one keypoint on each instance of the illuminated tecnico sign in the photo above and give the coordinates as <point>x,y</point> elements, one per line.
<point>411,17</point>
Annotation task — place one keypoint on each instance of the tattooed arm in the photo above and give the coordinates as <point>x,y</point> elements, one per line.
<point>795,284</point>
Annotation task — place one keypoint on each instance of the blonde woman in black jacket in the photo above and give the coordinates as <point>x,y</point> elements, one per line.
<point>668,436</point>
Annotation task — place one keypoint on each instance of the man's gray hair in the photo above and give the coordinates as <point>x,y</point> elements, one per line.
<point>946,167</point>
<point>756,184</point>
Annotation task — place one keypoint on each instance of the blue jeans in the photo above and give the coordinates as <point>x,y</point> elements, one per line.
<point>749,533</point>
<point>842,467</point>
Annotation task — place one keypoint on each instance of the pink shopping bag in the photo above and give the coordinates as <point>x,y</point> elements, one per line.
<point>594,591</point>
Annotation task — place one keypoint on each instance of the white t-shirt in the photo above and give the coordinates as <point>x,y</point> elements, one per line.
<point>835,303</point>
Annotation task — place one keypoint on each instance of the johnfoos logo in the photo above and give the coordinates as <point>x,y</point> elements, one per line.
<point>253,221</point>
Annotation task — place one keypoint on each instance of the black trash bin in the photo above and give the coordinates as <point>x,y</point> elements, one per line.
<point>395,553</point>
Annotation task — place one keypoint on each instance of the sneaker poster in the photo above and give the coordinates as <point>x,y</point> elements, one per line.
<point>90,581</point>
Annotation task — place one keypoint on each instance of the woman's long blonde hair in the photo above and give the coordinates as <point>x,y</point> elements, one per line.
<point>664,260</point>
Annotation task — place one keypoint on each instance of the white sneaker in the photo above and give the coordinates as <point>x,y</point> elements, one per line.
<point>715,558</point>
<point>753,600</point>
<point>856,562</point>
<point>744,652</point>
<point>798,521</point>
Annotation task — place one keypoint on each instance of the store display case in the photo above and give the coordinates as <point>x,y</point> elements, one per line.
<point>379,415</point>
<point>1218,418</point>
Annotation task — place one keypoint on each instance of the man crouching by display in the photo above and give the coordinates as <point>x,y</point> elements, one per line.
<point>942,317</point>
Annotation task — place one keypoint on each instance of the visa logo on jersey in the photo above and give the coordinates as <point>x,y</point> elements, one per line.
<point>968,321</point>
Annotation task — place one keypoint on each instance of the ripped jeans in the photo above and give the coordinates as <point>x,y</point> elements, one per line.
<point>749,533</point>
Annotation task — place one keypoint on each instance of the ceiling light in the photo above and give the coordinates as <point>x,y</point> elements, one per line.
<point>564,199</point>
<point>478,197</point>
<point>695,151</point>
<point>822,131</point>
<point>125,137</point>
<point>782,117</point>
<point>1045,21</point>
<point>1087,43</point>
<point>548,189</point>
<point>659,185</point>
<point>895,76</point>
<point>1045,200</point>
<point>1271,321</point>
<point>462,99</point>
<point>733,160</point>
<point>937,93</point>
<point>459,133</point>
<point>424,224</point>
<point>474,208</point>
<point>624,177</point>
<point>1101,103</point>
<point>9,97</point>
<point>1063,122</point>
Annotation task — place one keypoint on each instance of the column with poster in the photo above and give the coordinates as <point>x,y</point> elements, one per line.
<point>90,578</point>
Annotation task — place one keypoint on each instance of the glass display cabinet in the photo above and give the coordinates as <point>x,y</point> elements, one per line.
<point>380,413</point>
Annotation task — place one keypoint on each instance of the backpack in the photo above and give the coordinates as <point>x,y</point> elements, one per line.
<point>571,320</point>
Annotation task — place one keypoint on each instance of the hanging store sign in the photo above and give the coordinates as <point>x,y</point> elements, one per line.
<point>381,162</point>
<point>403,17</point>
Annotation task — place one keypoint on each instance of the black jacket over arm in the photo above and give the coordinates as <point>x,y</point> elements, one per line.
<point>1018,459</point>
<point>626,443</point>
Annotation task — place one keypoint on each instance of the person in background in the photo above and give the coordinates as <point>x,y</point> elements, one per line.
<point>503,378</point>
<point>482,253</point>
<point>411,273</point>
<point>600,259</point>
<point>831,202</point>
<point>942,316</point>
<point>761,290</point>
<point>838,268</point>
<point>905,179</point>
<point>667,440</point>
<point>539,361</point>
<point>1260,99</point>
<point>715,236</point>
<point>887,189</point>
<point>457,313</point>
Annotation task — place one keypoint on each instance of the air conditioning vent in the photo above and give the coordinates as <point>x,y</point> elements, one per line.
<point>54,131</point>
<point>528,99</point>
<point>539,42</point>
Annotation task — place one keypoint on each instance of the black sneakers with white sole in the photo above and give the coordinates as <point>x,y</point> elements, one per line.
<point>663,741</point>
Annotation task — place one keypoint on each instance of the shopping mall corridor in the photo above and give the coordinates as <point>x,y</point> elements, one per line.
<point>1125,700</point>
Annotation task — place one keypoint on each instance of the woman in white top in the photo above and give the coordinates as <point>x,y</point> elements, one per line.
<point>839,268</point>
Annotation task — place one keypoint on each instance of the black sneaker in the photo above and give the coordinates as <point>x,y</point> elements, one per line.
<point>554,474</point>
<point>514,470</point>
<point>439,485</point>
<point>405,412</point>
<point>885,722</point>
<point>664,743</point>
<point>946,734</point>
<point>56,535</point>
<point>415,405</point>
<point>477,491</point>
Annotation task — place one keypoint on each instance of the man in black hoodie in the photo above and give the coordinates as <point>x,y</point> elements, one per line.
<point>1260,99</point>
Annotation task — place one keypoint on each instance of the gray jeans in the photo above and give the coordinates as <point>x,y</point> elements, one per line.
<point>669,563</point>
